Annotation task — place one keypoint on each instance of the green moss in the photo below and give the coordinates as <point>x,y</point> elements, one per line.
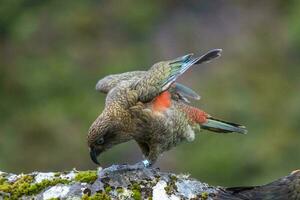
<point>136,195</point>
<point>171,185</point>
<point>169,189</point>
<point>204,195</point>
<point>136,186</point>
<point>24,186</point>
<point>86,176</point>
<point>96,196</point>
<point>173,178</point>
<point>136,191</point>
<point>120,190</point>
<point>57,174</point>
<point>17,188</point>
<point>2,180</point>
<point>101,196</point>
<point>35,188</point>
<point>5,187</point>
<point>108,189</point>
<point>85,197</point>
<point>150,198</point>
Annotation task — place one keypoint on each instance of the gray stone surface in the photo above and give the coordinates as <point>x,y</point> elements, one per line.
<point>121,183</point>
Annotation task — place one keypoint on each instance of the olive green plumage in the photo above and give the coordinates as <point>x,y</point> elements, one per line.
<point>148,107</point>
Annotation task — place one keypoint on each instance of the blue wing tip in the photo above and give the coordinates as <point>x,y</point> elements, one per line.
<point>187,57</point>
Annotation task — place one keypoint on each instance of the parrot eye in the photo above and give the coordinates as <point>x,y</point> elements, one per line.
<point>100,141</point>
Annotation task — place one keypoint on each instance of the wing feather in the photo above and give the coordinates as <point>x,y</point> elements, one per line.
<point>162,75</point>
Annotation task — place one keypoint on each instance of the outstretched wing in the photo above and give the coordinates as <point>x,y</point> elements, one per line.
<point>162,75</point>
<point>105,84</point>
<point>177,90</point>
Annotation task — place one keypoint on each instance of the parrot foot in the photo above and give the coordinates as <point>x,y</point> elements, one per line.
<point>141,165</point>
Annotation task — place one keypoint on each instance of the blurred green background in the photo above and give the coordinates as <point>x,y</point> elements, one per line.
<point>53,52</point>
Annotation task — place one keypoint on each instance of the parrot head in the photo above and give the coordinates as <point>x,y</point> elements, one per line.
<point>103,134</point>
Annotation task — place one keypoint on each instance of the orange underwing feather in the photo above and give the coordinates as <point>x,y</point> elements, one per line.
<point>162,102</point>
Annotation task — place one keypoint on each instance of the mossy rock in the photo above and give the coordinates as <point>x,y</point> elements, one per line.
<point>86,176</point>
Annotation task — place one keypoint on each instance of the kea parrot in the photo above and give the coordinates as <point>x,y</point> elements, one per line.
<point>153,109</point>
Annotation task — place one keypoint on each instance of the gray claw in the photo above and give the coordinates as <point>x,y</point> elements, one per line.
<point>146,163</point>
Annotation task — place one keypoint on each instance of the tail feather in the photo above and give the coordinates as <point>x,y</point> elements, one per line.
<point>221,126</point>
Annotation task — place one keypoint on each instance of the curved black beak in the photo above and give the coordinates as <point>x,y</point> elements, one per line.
<point>93,154</point>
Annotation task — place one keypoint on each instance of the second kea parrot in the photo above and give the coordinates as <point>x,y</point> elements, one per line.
<point>151,108</point>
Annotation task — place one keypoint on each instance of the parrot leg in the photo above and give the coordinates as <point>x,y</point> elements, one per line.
<point>154,152</point>
<point>144,148</point>
<point>150,152</point>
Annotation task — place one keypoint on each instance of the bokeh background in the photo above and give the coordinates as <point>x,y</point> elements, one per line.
<point>53,52</point>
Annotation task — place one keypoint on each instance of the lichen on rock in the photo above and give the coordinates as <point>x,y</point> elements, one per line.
<point>125,183</point>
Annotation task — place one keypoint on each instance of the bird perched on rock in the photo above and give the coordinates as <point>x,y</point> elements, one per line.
<point>151,108</point>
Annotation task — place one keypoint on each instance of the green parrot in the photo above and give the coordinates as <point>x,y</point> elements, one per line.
<point>151,108</point>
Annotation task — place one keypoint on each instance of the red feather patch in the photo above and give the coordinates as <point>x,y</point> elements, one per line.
<point>162,102</point>
<point>196,114</point>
